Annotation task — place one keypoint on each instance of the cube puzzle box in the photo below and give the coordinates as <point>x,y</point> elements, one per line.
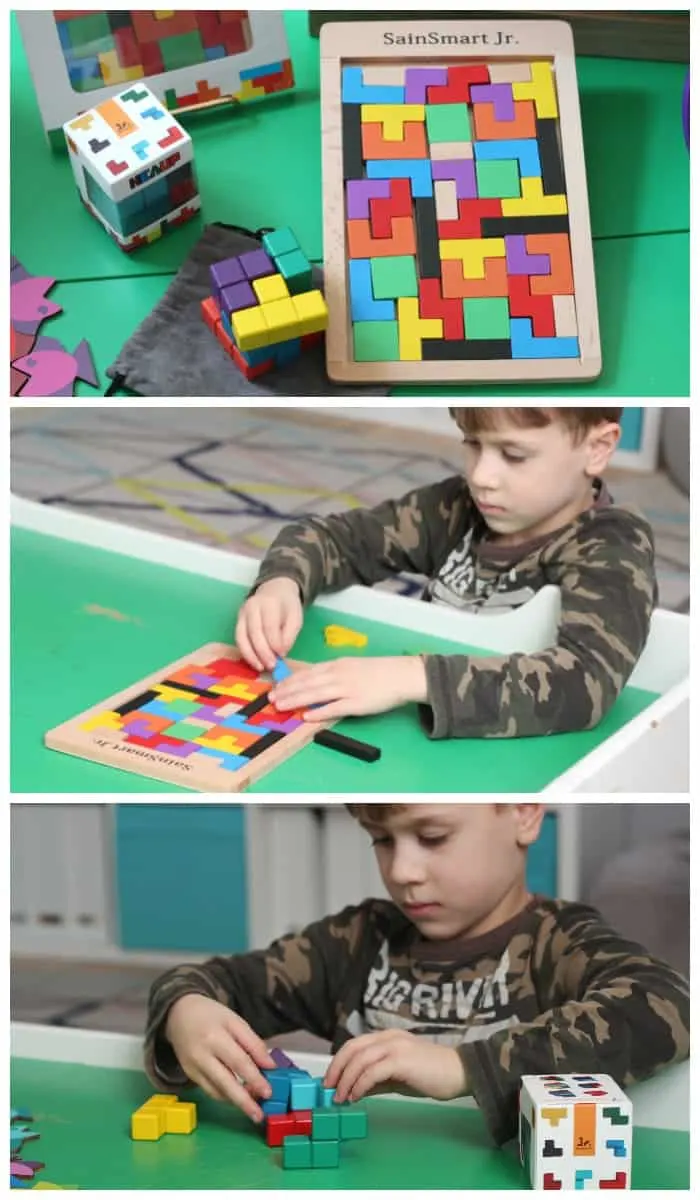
<point>203,722</point>
<point>575,1133</point>
<point>80,58</point>
<point>133,167</point>
<point>457,239</point>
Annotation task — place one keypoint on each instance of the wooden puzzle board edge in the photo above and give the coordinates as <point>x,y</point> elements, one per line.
<point>102,747</point>
<point>363,44</point>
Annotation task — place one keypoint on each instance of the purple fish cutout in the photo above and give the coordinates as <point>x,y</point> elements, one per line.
<point>28,303</point>
<point>52,370</point>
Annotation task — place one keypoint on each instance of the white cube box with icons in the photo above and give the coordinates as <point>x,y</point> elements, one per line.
<point>575,1133</point>
<point>133,166</point>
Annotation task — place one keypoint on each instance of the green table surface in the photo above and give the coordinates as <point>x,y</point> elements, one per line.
<point>72,659</point>
<point>260,166</point>
<point>82,1115</point>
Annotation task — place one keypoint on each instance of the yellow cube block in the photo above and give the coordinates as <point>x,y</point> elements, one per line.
<point>282,320</point>
<point>159,1100</point>
<point>340,635</point>
<point>312,312</point>
<point>148,1124</point>
<point>271,287</point>
<point>180,1118</point>
<point>250,329</point>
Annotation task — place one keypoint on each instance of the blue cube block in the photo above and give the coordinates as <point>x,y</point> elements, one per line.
<point>303,1094</point>
<point>326,1097</point>
<point>280,1084</point>
<point>276,1108</point>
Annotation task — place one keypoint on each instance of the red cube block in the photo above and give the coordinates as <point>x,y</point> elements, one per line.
<point>278,1127</point>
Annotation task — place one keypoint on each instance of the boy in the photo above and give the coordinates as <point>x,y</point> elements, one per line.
<point>457,986</point>
<point>531,510</point>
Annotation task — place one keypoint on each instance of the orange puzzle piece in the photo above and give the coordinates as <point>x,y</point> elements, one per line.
<point>494,283</point>
<point>488,129</point>
<point>361,244</point>
<point>560,281</point>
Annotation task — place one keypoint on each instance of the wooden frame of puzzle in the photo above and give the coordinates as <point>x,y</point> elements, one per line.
<point>195,723</point>
<point>457,238</point>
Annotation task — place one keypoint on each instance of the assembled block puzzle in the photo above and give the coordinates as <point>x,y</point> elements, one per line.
<point>162,1114</point>
<point>189,58</point>
<point>204,723</point>
<point>263,309</point>
<point>302,1118</point>
<point>133,167</point>
<point>575,1132</point>
<point>457,235</point>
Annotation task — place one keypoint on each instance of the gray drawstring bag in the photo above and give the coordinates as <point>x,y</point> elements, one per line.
<point>173,352</point>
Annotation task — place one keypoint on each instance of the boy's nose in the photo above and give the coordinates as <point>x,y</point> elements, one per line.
<point>485,473</point>
<point>405,870</point>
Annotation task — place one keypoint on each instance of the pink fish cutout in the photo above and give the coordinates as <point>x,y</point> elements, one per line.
<point>28,303</point>
<point>52,370</point>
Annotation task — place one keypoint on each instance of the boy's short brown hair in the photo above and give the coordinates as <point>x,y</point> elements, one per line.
<point>577,420</point>
<point>373,812</point>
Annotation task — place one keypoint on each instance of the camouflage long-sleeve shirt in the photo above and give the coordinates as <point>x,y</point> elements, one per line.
<point>602,563</point>
<point>554,990</point>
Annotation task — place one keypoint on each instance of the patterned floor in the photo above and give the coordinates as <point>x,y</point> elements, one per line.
<point>233,478</point>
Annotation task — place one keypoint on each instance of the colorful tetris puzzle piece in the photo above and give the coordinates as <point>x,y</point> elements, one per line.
<point>473,150</point>
<point>263,308</point>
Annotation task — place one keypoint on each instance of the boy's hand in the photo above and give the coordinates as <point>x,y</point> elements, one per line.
<point>269,622</point>
<point>214,1047</point>
<point>352,687</point>
<point>395,1061</point>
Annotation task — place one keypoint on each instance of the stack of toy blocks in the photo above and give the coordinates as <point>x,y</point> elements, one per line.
<point>162,1114</point>
<point>575,1133</point>
<point>133,166</point>
<point>302,1118</point>
<point>263,309</point>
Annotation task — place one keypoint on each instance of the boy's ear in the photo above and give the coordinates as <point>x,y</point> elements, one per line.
<point>529,819</point>
<point>602,444</point>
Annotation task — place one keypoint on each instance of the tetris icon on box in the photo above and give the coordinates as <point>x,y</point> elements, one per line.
<point>575,1132</point>
<point>133,165</point>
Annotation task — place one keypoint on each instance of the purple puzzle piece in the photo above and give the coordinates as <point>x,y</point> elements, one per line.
<point>462,170</point>
<point>238,296</point>
<point>52,370</point>
<point>498,94</point>
<point>223,274</point>
<point>360,191</point>
<point>280,1058</point>
<point>28,303</point>
<point>256,264</point>
<point>417,80</point>
<point>182,751</point>
<point>519,262</point>
<point>204,681</point>
<point>208,714</point>
<point>141,727</point>
<point>280,726</point>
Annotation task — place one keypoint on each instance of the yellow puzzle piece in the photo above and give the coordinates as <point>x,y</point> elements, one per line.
<point>339,635</point>
<point>162,1114</point>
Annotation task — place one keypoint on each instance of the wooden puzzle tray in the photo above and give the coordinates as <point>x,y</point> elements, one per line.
<point>457,239</point>
<point>204,722</point>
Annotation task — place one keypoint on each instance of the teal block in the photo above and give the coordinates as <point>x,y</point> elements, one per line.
<point>325,1126</point>
<point>303,1094</point>
<point>448,123</point>
<point>296,1152</point>
<point>486,317</point>
<point>326,1097</point>
<point>325,1154</point>
<point>394,277</point>
<point>295,269</point>
<point>498,180</point>
<point>280,241</point>
<point>376,341</point>
<point>353,1124</point>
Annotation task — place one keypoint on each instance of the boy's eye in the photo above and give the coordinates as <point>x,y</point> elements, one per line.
<point>434,840</point>
<point>513,458</point>
<point>381,841</point>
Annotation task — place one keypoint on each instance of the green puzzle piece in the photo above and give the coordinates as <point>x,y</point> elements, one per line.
<point>393,277</point>
<point>486,317</point>
<point>448,123</point>
<point>497,180</point>
<point>376,341</point>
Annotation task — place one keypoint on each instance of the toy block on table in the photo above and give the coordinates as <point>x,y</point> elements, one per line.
<point>263,309</point>
<point>575,1132</point>
<point>204,722</point>
<point>133,167</point>
<point>162,1114</point>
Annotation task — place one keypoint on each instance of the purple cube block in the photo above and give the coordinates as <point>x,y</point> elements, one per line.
<point>256,264</point>
<point>238,296</point>
<point>224,273</point>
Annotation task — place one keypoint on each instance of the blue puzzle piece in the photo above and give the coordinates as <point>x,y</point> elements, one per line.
<point>287,352</point>
<point>416,169</point>
<point>211,52</point>
<point>273,1108</point>
<point>303,1094</point>
<point>155,114</point>
<point>362,303</point>
<point>281,1085</point>
<point>256,72</point>
<point>280,671</point>
<point>355,91</point>
<point>140,149</point>
<point>524,345</point>
<point>525,150</point>
<point>232,762</point>
<point>618,1148</point>
<point>235,721</point>
<point>580,1179</point>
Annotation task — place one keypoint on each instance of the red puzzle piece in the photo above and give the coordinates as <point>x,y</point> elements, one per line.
<point>399,204</point>
<point>523,304</point>
<point>432,303</point>
<point>471,214</point>
<point>459,81</point>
